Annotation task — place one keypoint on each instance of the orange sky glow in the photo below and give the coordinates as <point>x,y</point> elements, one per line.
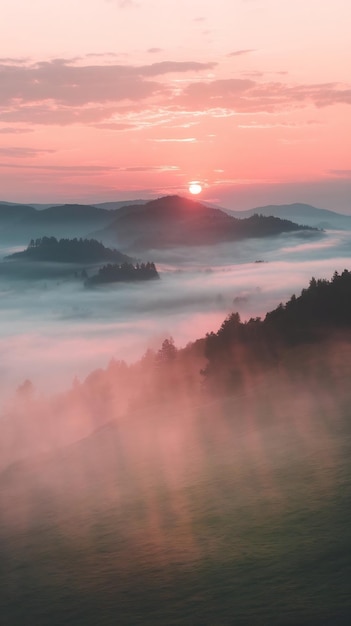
<point>117,99</point>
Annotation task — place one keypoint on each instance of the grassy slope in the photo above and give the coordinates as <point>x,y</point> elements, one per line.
<point>234,512</point>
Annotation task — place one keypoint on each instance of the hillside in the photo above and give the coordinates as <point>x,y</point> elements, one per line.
<point>302,214</point>
<point>13,212</point>
<point>82,251</point>
<point>69,220</point>
<point>175,221</point>
<point>321,311</point>
<point>166,221</point>
<point>142,492</point>
<point>123,273</point>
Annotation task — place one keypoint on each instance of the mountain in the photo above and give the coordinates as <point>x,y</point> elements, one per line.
<point>13,212</point>
<point>301,213</point>
<point>174,221</point>
<point>21,222</point>
<point>112,206</point>
<point>166,221</point>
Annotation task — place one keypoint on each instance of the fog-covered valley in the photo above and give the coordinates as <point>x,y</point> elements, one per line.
<point>153,482</point>
<point>53,328</point>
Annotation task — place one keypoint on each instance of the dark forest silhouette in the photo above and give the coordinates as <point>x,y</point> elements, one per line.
<point>321,309</point>
<point>69,251</point>
<point>124,272</point>
<point>155,491</point>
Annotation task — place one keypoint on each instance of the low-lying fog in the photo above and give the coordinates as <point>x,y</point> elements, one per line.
<point>54,329</point>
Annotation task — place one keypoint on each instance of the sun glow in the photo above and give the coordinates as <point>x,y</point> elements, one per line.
<point>195,187</point>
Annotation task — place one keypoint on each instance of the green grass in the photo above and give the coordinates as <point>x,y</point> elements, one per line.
<point>246,522</point>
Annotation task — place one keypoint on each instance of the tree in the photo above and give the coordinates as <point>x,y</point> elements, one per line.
<point>167,352</point>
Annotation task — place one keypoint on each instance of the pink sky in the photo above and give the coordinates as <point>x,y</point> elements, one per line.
<point>108,100</point>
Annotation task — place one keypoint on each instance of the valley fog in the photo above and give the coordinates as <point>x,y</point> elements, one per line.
<point>180,487</point>
<point>53,328</point>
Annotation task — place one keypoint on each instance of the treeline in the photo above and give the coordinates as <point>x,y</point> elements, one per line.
<point>125,272</point>
<point>292,341</point>
<point>69,251</point>
<point>240,351</point>
<point>259,225</point>
<point>321,309</point>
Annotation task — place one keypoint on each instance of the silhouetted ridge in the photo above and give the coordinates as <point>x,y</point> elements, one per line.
<point>68,251</point>
<point>72,211</point>
<point>324,308</point>
<point>15,211</point>
<point>301,213</point>
<point>174,221</point>
<point>125,272</point>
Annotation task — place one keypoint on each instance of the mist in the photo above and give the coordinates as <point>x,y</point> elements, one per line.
<point>53,328</point>
<point>139,484</point>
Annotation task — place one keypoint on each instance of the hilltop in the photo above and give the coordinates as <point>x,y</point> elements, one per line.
<point>176,221</point>
<point>68,251</point>
<point>166,221</point>
<point>301,213</point>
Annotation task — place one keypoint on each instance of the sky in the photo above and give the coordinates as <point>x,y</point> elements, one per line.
<point>104,100</point>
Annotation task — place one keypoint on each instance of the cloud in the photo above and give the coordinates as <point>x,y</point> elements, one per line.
<point>154,50</point>
<point>70,85</point>
<point>341,173</point>
<point>166,67</point>
<point>247,95</point>
<point>13,60</point>
<point>65,91</point>
<point>13,130</point>
<point>238,53</point>
<point>174,140</point>
<point>49,114</point>
<point>62,169</point>
<point>49,87</point>
<point>124,4</point>
<point>23,152</point>
<point>115,126</point>
<point>150,168</point>
<point>83,170</point>
<point>264,126</point>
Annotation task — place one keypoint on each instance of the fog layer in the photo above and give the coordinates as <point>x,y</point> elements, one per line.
<point>53,328</point>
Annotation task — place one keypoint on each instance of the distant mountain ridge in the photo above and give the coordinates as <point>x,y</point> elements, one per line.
<point>176,221</point>
<point>23,222</point>
<point>169,220</point>
<point>302,213</point>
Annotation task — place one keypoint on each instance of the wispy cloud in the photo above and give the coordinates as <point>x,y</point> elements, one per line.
<point>124,4</point>
<point>14,130</point>
<point>70,84</point>
<point>341,173</point>
<point>245,95</point>
<point>238,53</point>
<point>71,169</point>
<point>150,168</point>
<point>23,152</point>
<point>175,140</point>
<point>85,169</point>
<point>67,91</point>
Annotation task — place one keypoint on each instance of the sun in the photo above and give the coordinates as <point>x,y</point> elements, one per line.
<point>195,187</point>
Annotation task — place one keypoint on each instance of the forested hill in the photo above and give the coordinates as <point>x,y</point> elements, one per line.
<point>165,221</point>
<point>75,250</point>
<point>321,310</point>
<point>125,272</point>
<point>177,221</point>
